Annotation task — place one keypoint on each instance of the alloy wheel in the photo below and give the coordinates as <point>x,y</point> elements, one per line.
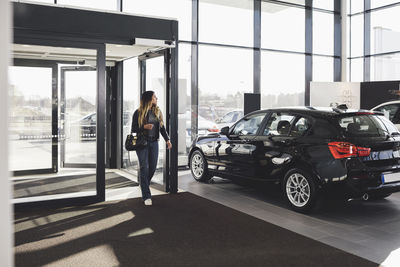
<point>197,165</point>
<point>298,190</point>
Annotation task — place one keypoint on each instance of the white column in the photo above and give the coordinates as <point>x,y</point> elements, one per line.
<point>6,236</point>
<point>343,13</point>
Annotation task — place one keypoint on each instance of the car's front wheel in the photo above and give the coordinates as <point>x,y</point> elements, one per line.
<point>198,167</point>
<point>300,190</point>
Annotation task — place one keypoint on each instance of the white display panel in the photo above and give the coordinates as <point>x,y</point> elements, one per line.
<point>325,94</point>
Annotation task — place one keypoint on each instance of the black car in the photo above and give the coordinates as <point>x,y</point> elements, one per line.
<point>309,151</point>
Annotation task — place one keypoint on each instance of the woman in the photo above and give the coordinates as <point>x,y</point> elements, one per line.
<point>148,120</point>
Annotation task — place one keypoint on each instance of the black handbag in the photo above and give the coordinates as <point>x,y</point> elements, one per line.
<point>135,142</point>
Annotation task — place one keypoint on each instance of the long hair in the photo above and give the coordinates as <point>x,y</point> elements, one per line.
<point>145,106</point>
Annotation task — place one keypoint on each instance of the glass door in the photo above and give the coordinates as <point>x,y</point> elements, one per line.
<point>78,117</point>
<point>153,69</point>
<point>32,117</point>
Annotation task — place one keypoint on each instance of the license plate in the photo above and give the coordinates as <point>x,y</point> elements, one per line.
<point>390,177</point>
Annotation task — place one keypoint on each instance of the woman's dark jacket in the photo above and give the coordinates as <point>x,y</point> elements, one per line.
<point>155,132</point>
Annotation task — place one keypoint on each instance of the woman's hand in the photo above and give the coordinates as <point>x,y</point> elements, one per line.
<point>169,144</point>
<point>148,126</point>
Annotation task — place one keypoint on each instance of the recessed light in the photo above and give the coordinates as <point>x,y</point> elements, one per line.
<point>118,45</point>
<point>26,45</point>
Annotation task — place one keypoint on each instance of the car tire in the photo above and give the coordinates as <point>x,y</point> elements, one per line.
<point>198,167</point>
<point>300,190</point>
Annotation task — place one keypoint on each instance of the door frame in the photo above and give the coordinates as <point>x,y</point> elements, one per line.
<point>43,40</point>
<point>54,113</point>
<point>167,89</point>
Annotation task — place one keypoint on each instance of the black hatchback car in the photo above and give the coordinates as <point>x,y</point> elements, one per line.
<point>309,151</point>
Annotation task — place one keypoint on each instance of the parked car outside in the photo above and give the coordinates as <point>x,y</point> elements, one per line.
<point>205,126</point>
<point>391,111</point>
<point>310,152</point>
<point>229,118</point>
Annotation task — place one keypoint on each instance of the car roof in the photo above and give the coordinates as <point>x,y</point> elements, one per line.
<point>387,103</point>
<point>319,111</point>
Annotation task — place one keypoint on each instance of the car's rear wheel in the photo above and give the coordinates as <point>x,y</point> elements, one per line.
<point>300,190</point>
<point>198,167</point>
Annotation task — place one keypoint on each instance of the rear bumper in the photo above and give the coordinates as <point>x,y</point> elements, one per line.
<point>370,183</point>
<point>384,189</point>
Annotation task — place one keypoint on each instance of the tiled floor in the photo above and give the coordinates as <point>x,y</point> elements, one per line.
<point>367,229</point>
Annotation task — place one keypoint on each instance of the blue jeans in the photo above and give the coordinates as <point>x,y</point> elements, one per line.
<point>148,158</point>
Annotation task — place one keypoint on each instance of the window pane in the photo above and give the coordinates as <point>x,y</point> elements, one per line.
<point>282,79</point>
<point>130,102</point>
<point>95,4</point>
<point>385,67</point>
<point>44,1</point>
<point>357,70</point>
<point>276,33</point>
<point>30,118</point>
<point>184,111</point>
<point>249,125</point>
<point>225,74</point>
<point>278,124</point>
<point>322,33</point>
<point>179,9</point>
<point>357,36</point>
<point>385,30</point>
<point>324,4</point>
<point>379,3</point>
<point>230,22</point>
<point>322,69</point>
<point>356,6</point>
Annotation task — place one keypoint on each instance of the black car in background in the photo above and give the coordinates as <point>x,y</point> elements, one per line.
<point>309,151</point>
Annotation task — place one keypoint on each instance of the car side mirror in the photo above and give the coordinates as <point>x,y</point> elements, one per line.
<point>225,130</point>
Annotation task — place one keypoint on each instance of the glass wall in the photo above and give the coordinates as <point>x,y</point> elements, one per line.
<point>184,110</point>
<point>282,79</point>
<point>383,40</point>
<point>277,33</point>
<point>179,9</point>
<point>323,33</point>
<point>30,120</point>
<point>131,101</point>
<point>322,69</point>
<point>225,74</point>
<point>94,4</point>
<point>234,27</point>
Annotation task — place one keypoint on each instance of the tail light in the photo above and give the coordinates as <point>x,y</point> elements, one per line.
<point>214,129</point>
<point>342,150</point>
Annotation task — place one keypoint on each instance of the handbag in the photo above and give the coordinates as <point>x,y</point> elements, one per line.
<point>135,142</point>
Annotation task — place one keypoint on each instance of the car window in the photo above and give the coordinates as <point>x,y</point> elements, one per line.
<point>324,129</point>
<point>365,125</point>
<point>300,127</point>
<point>248,125</point>
<point>228,117</point>
<point>389,111</point>
<point>278,124</point>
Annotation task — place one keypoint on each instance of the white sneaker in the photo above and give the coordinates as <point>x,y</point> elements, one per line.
<point>148,202</point>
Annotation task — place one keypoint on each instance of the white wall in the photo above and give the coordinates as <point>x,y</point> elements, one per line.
<point>322,94</point>
<point>6,240</point>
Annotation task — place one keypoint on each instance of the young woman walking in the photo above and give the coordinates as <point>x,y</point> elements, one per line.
<point>148,120</point>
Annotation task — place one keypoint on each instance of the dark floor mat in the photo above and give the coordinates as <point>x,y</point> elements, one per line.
<point>178,230</point>
<point>67,184</point>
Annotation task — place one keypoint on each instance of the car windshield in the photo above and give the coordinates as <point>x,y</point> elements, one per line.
<point>366,125</point>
